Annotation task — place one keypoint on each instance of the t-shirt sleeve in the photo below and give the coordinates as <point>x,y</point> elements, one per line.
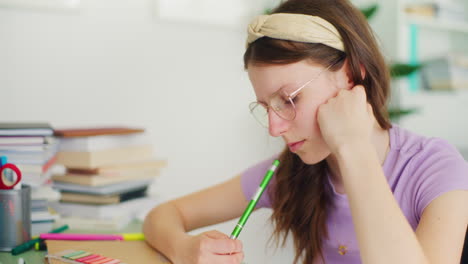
<point>251,178</point>
<point>438,169</point>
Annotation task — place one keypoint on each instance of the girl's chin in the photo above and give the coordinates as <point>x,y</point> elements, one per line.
<point>311,157</point>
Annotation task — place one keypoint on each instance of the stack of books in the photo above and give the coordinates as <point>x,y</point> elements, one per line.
<point>42,217</point>
<point>106,177</point>
<point>32,148</point>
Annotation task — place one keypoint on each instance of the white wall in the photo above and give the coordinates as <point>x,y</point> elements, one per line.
<point>114,62</point>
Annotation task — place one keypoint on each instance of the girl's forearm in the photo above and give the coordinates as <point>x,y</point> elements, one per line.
<point>383,233</point>
<point>164,229</point>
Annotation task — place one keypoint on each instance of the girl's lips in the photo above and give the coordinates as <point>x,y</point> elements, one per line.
<point>293,147</point>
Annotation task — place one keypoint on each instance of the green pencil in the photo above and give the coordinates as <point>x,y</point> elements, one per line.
<point>251,206</point>
<point>28,245</point>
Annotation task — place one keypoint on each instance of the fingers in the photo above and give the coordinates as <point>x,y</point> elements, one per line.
<point>360,91</point>
<point>214,247</point>
<point>223,246</point>
<point>357,94</point>
<point>220,243</point>
<point>233,258</point>
<point>216,234</point>
<point>370,109</point>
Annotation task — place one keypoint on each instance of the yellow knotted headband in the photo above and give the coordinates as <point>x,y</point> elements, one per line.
<point>295,27</point>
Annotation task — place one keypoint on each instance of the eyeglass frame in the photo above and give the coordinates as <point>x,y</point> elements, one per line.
<point>290,96</point>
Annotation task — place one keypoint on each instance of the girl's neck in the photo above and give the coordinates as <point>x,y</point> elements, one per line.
<point>381,141</point>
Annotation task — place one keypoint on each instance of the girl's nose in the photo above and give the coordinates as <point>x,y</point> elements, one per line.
<point>276,125</point>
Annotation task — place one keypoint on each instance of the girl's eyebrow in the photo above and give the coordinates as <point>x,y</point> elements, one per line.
<point>284,86</point>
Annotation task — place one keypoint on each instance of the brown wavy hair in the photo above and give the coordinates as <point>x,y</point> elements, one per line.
<point>301,194</point>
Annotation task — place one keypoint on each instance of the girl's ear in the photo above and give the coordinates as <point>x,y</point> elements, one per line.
<point>363,71</point>
<point>348,76</point>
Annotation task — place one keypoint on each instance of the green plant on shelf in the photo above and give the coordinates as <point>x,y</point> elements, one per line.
<point>397,70</point>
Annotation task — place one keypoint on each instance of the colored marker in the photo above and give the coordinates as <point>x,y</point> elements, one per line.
<point>251,206</point>
<point>69,236</point>
<point>133,236</point>
<point>28,245</point>
<point>40,246</point>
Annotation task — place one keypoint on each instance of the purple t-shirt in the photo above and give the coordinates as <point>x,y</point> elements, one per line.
<point>418,170</point>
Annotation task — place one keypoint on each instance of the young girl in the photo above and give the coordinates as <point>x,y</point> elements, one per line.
<point>351,187</point>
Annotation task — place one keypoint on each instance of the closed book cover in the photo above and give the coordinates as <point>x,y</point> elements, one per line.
<point>36,179</point>
<point>29,154</point>
<point>23,148</point>
<point>39,205</point>
<point>86,223</point>
<point>25,140</point>
<point>121,168</point>
<point>43,216</point>
<point>131,207</point>
<point>103,142</point>
<point>69,197</point>
<point>100,180</point>
<point>96,131</point>
<point>102,190</point>
<point>130,252</point>
<point>94,159</point>
<point>36,168</point>
<point>25,129</point>
<point>41,227</point>
<point>45,192</point>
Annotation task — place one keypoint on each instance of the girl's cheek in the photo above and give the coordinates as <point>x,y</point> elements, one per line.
<point>308,117</point>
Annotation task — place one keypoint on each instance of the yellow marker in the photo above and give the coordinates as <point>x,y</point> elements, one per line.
<point>133,236</point>
<point>40,246</point>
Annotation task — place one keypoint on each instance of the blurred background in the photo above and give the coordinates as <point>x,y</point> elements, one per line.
<point>174,67</point>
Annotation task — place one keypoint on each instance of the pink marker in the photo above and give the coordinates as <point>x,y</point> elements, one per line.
<point>67,236</point>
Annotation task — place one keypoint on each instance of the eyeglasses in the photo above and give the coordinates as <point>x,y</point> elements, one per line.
<point>281,102</point>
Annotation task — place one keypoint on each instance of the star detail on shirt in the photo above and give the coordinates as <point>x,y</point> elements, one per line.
<point>342,249</point>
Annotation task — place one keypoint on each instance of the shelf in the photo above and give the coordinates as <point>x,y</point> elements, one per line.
<point>437,24</point>
<point>427,97</point>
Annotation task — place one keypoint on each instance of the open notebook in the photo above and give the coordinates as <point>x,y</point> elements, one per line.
<point>129,252</point>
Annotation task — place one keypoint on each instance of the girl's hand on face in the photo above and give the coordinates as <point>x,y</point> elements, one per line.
<point>346,118</point>
<point>210,247</point>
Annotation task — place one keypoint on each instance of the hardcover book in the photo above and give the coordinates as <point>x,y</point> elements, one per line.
<point>93,159</point>
<point>96,131</point>
<point>101,180</point>
<point>70,197</point>
<point>25,129</point>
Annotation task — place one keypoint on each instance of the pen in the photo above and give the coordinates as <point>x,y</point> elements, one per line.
<point>251,206</point>
<point>28,245</point>
<point>68,236</point>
